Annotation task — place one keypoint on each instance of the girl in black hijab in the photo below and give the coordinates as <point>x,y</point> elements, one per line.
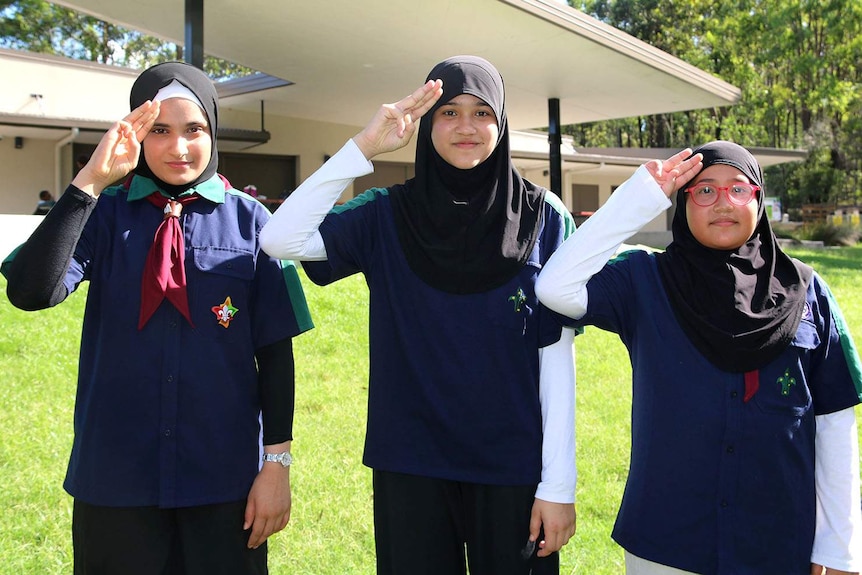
<point>750,299</point>
<point>167,80</point>
<point>467,230</point>
<point>744,443</point>
<point>471,391</point>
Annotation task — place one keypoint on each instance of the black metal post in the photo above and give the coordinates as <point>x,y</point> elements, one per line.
<point>193,52</point>
<point>555,141</point>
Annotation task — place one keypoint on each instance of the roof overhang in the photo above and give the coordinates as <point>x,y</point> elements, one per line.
<point>346,58</point>
<point>530,152</point>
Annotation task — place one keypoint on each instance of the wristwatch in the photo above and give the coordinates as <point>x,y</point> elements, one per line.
<point>284,458</point>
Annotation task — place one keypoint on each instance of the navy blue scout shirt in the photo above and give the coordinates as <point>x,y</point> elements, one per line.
<point>453,389</point>
<point>168,415</point>
<point>717,485</point>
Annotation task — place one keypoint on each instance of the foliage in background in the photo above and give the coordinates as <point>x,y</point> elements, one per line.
<point>798,64</point>
<point>46,28</point>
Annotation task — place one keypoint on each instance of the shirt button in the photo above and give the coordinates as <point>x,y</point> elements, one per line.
<point>173,324</point>
<point>733,394</point>
<point>730,449</point>
<point>170,378</point>
<point>723,504</point>
<point>167,433</point>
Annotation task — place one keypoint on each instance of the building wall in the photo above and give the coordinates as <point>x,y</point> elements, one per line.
<point>63,88</point>
<point>25,172</point>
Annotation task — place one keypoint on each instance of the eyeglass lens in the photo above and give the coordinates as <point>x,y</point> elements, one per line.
<point>707,194</point>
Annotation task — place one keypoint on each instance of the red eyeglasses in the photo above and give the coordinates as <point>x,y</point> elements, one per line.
<point>707,194</point>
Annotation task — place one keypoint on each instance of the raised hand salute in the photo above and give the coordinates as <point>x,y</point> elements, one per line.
<point>394,124</point>
<point>118,151</point>
<point>676,171</point>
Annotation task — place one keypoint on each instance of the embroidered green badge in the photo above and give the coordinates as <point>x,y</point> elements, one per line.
<point>786,382</point>
<point>519,298</point>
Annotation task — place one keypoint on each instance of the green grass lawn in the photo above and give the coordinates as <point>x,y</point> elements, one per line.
<point>330,532</point>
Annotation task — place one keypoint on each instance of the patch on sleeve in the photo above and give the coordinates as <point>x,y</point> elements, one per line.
<point>297,296</point>
<point>851,355</point>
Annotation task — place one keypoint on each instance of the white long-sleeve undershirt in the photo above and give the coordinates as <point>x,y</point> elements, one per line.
<point>838,532</point>
<point>291,233</point>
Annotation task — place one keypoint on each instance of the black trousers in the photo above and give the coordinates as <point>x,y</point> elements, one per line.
<point>204,540</point>
<point>426,526</point>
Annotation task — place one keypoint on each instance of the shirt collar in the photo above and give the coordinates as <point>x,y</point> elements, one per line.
<point>213,189</point>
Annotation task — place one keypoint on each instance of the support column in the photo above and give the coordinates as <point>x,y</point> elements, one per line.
<point>193,52</point>
<point>555,142</point>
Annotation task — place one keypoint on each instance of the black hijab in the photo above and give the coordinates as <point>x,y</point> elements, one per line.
<point>741,307</point>
<point>148,85</point>
<point>467,231</point>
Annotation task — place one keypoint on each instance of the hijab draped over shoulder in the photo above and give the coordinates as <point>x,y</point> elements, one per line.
<point>467,231</point>
<point>148,85</point>
<point>741,307</point>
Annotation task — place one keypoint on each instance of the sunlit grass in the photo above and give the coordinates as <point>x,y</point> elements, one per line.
<point>330,532</point>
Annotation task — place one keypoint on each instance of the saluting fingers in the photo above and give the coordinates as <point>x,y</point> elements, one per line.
<point>416,104</point>
<point>676,159</point>
<point>689,169</point>
<point>125,141</point>
<point>142,118</point>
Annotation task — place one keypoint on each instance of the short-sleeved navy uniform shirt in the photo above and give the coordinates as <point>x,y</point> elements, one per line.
<point>718,485</point>
<point>169,415</point>
<point>453,389</point>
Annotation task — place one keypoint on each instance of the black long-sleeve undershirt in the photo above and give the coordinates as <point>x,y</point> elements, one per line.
<point>276,384</point>
<point>35,277</point>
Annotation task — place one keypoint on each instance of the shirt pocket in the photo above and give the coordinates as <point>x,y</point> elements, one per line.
<point>512,307</point>
<point>221,288</point>
<point>784,386</point>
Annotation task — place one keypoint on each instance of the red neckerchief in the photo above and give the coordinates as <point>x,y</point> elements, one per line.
<point>752,383</point>
<point>165,269</point>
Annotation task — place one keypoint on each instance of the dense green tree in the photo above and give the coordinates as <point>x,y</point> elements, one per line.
<point>43,27</point>
<point>798,64</point>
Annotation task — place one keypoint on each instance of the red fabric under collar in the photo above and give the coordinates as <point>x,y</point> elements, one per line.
<point>165,269</point>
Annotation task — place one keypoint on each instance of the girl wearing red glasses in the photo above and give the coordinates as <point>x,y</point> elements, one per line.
<point>744,443</point>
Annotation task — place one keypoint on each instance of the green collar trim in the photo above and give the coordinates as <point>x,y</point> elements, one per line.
<point>212,189</point>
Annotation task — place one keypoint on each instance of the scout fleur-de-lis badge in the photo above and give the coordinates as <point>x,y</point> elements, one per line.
<point>518,299</point>
<point>786,382</point>
<point>225,312</point>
